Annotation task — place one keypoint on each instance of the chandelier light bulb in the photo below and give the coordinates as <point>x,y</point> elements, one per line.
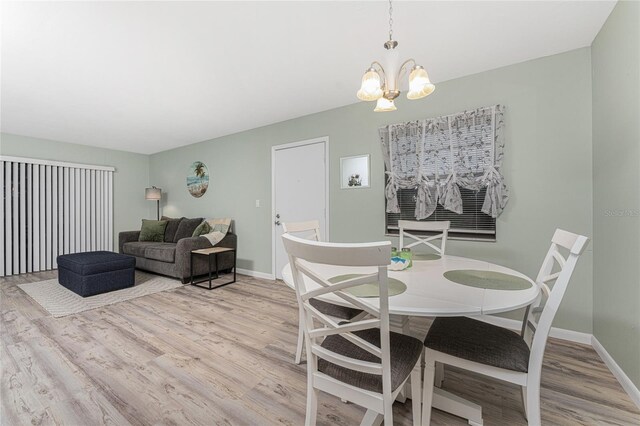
<point>419,84</point>
<point>370,90</point>
<point>385,105</point>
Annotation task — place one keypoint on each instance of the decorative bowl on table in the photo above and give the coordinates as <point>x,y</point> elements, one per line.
<point>398,264</point>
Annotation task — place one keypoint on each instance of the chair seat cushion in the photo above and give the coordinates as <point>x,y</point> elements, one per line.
<point>405,352</point>
<point>336,311</point>
<point>164,252</point>
<point>480,342</point>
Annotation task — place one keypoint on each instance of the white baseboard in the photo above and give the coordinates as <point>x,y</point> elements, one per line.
<point>558,333</point>
<point>256,274</point>
<point>625,381</point>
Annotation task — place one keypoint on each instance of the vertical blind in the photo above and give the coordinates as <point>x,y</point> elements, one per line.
<point>51,208</point>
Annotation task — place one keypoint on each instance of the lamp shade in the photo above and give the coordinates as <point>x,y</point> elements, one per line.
<point>370,90</point>
<point>153,193</point>
<point>385,105</point>
<point>419,83</point>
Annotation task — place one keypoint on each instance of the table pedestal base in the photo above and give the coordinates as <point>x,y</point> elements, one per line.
<point>453,404</point>
<point>442,400</point>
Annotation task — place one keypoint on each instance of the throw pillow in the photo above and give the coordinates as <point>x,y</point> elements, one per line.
<point>186,228</point>
<point>152,230</point>
<point>202,229</point>
<point>172,227</point>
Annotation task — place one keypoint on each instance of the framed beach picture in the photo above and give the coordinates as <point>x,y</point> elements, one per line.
<point>197,179</point>
<point>354,172</point>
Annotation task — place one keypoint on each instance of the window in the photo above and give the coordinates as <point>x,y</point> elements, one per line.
<point>447,168</point>
<point>450,153</point>
<point>472,224</point>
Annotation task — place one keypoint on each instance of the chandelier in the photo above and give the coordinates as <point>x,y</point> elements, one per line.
<point>384,86</point>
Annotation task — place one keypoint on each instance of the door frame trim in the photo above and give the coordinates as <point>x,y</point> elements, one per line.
<point>325,141</point>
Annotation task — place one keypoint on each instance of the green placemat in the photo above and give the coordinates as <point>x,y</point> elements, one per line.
<point>489,280</point>
<point>426,256</point>
<point>370,290</point>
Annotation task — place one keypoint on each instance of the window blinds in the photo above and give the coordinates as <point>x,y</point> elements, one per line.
<point>472,223</point>
<point>52,208</point>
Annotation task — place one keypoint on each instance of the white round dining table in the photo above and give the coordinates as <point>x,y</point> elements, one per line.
<point>430,294</point>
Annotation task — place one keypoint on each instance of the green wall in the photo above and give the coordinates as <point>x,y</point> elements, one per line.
<point>547,166</point>
<point>129,179</point>
<point>616,182</point>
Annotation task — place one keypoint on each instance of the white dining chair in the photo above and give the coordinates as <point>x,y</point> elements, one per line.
<point>359,361</point>
<point>441,227</point>
<point>310,230</point>
<point>501,353</point>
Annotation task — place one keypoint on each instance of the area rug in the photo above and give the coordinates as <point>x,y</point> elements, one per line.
<point>60,302</point>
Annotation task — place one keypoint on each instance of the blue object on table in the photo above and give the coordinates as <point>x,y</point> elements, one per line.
<point>96,272</point>
<point>398,264</point>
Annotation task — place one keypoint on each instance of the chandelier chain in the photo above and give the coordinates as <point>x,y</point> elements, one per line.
<point>390,20</point>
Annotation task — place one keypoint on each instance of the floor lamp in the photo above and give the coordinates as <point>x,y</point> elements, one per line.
<point>154,194</point>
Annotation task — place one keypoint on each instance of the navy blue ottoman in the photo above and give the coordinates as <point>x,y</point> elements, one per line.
<point>96,272</point>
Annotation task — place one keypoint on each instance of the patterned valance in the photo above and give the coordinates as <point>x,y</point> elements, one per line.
<point>440,155</point>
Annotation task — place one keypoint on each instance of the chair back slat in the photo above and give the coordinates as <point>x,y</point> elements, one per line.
<point>346,333</point>
<point>559,258</point>
<point>343,328</point>
<point>425,241</point>
<point>341,254</point>
<point>309,284</point>
<point>442,227</point>
<point>539,316</point>
<point>328,287</point>
<point>573,242</point>
<point>310,226</point>
<point>550,277</point>
<point>339,286</point>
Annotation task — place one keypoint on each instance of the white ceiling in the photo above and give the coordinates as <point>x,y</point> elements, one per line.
<point>150,76</point>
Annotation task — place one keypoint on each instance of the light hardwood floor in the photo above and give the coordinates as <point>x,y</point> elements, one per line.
<point>192,356</point>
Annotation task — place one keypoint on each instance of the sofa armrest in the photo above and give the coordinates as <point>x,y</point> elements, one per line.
<point>127,237</point>
<point>230,241</point>
<point>184,247</point>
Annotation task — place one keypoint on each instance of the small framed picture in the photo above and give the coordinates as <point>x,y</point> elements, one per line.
<point>354,172</point>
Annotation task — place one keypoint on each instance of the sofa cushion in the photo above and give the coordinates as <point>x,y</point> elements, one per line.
<point>137,248</point>
<point>172,227</point>
<point>152,230</point>
<point>164,252</point>
<point>95,262</point>
<point>186,228</point>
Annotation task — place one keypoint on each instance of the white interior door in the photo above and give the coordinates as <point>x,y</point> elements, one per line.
<point>300,190</point>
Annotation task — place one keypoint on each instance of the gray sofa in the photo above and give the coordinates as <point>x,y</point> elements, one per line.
<point>172,257</point>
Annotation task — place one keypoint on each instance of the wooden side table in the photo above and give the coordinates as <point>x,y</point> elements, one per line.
<point>212,254</point>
